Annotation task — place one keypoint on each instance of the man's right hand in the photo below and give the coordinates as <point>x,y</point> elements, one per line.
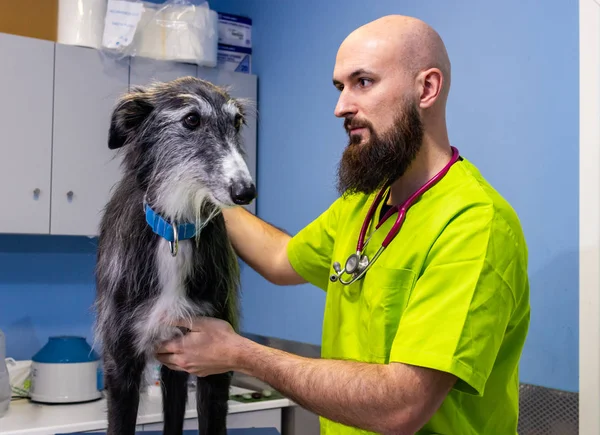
<point>261,245</point>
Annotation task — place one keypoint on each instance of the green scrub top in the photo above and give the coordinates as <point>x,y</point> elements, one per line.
<point>451,292</point>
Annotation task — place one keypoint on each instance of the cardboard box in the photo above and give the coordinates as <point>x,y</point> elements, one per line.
<point>235,30</point>
<point>31,18</point>
<point>232,58</point>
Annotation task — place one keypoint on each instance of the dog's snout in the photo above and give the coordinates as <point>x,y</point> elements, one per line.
<point>243,193</point>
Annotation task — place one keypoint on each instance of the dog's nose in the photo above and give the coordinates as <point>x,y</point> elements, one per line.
<point>242,193</point>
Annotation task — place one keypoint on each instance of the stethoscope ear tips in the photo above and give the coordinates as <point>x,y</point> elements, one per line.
<point>338,268</point>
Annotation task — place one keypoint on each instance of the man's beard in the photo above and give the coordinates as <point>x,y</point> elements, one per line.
<point>382,159</point>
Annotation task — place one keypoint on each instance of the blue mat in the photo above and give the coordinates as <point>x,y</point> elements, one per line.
<point>250,431</point>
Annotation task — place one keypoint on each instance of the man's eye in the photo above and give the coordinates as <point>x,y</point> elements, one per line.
<point>364,82</point>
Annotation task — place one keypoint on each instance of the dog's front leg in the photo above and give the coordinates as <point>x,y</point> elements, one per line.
<point>123,379</point>
<point>174,394</point>
<point>212,395</point>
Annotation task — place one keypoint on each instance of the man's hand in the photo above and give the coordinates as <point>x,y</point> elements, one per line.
<point>383,398</point>
<point>209,348</point>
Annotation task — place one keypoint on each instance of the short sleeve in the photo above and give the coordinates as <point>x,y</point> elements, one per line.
<point>461,305</point>
<point>310,251</point>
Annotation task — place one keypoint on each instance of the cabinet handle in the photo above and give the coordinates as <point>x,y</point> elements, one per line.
<point>70,195</point>
<point>36,192</point>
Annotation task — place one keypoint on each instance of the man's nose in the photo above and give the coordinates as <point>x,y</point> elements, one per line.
<point>345,106</point>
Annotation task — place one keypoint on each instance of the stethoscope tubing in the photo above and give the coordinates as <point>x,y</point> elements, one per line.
<point>401,210</point>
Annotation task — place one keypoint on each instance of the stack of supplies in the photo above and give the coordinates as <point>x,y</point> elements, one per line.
<point>235,43</point>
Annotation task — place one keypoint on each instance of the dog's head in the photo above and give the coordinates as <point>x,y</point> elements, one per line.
<point>182,139</point>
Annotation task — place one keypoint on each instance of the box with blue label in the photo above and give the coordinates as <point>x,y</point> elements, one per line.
<point>235,30</point>
<point>232,58</point>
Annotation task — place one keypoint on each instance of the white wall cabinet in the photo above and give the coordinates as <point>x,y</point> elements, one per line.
<point>86,85</point>
<point>26,82</point>
<point>56,171</point>
<point>238,420</point>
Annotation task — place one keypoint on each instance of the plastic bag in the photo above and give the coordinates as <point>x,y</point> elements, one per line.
<point>19,374</point>
<point>176,30</point>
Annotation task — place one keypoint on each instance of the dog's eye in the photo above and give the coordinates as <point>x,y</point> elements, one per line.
<point>239,120</point>
<point>191,121</point>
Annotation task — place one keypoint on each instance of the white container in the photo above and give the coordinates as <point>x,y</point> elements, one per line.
<point>5,390</point>
<point>64,383</point>
<point>65,370</point>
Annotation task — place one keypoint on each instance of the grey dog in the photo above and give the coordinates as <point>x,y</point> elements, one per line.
<point>164,254</point>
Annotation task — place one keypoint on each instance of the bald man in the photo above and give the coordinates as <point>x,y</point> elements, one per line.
<point>429,339</point>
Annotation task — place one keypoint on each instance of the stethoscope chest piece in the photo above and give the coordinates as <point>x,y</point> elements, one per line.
<point>355,265</point>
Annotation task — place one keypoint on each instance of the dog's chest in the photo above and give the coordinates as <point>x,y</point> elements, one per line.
<point>173,272</point>
<point>172,303</point>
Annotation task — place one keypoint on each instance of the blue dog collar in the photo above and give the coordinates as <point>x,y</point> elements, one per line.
<point>164,229</point>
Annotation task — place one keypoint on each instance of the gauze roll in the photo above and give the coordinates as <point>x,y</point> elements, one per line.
<point>81,22</point>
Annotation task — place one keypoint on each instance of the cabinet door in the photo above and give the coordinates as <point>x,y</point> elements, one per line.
<point>26,78</point>
<point>84,170</point>
<point>237,420</point>
<point>145,70</point>
<point>240,86</point>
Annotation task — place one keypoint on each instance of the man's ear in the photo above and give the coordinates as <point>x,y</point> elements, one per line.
<point>129,113</point>
<point>432,82</point>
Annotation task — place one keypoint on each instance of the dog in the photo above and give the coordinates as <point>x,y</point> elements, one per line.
<point>163,249</point>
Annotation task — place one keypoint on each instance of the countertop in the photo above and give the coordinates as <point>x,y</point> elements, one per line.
<point>25,417</point>
<point>249,431</point>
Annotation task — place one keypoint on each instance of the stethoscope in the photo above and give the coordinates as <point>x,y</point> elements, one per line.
<point>357,264</point>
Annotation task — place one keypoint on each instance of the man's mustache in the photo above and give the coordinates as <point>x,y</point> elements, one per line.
<point>350,123</point>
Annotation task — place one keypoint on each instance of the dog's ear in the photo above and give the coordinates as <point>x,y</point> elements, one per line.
<point>129,113</point>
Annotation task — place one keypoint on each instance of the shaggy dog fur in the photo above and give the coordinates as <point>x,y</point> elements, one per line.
<point>183,162</point>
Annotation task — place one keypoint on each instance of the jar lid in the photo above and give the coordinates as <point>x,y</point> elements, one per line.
<point>66,349</point>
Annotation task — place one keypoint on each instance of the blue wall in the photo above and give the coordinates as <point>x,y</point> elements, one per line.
<point>513,111</point>
<point>46,288</point>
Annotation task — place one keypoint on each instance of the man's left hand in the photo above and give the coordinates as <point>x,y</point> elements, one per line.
<point>208,348</point>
